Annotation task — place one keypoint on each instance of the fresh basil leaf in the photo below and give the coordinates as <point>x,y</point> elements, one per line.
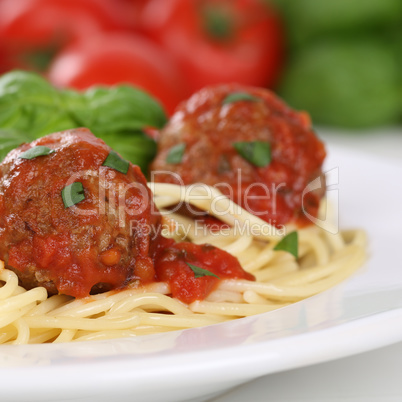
<point>11,139</point>
<point>240,96</point>
<point>35,152</point>
<point>115,162</point>
<point>73,194</point>
<point>136,147</point>
<point>28,103</point>
<point>118,115</point>
<point>176,153</point>
<point>114,110</point>
<point>256,152</point>
<point>290,244</point>
<point>200,272</point>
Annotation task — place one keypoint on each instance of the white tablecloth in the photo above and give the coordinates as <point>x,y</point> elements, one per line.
<point>370,377</point>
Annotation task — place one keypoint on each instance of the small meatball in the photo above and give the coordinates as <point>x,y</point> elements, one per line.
<point>99,243</point>
<point>209,125</point>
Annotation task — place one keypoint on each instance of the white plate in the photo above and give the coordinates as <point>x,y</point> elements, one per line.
<point>361,314</point>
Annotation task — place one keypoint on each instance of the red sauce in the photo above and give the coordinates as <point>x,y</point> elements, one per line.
<point>49,245</point>
<point>73,250</point>
<point>208,127</point>
<point>77,254</point>
<point>171,266</point>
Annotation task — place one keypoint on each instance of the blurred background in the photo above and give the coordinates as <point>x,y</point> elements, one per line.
<point>341,60</point>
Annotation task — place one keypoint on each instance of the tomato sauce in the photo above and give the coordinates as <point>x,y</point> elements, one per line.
<point>209,127</point>
<point>89,248</point>
<point>171,265</point>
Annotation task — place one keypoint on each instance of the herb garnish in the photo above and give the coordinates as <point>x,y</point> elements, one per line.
<point>289,244</point>
<point>240,96</point>
<point>115,162</point>
<point>72,194</point>
<point>176,153</point>
<point>200,272</point>
<point>36,151</point>
<point>256,152</point>
<point>30,107</point>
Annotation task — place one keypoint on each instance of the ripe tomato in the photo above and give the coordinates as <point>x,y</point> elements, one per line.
<point>32,27</point>
<point>115,59</point>
<point>216,41</point>
<point>7,61</point>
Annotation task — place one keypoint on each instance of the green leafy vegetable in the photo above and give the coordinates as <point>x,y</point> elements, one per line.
<point>35,152</point>
<point>240,96</point>
<point>200,272</point>
<point>256,152</point>
<point>114,161</point>
<point>73,194</point>
<point>10,139</point>
<point>358,78</point>
<point>290,244</point>
<point>118,115</point>
<point>176,153</point>
<point>114,110</point>
<point>28,103</point>
<point>308,20</point>
<point>135,147</point>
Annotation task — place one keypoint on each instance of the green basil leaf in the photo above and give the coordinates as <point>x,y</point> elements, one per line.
<point>135,147</point>
<point>115,162</point>
<point>35,152</point>
<point>176,153</point>
<point>11,139</point>
<point>118,115</point>
<point>240,96</point>
<point>256,152</point>
<point>290,244</point>
<point>28,103</point>
<point>73,194</point>
<point>114,110</point>
<point>200,272</point>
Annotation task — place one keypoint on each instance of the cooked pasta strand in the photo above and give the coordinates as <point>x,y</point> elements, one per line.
<point>324,260</point>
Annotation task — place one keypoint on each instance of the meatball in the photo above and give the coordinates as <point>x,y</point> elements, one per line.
<point>99,240</point>
<point>213,127</point>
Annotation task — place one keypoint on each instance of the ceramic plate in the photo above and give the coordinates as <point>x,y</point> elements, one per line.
<point>362,313</point>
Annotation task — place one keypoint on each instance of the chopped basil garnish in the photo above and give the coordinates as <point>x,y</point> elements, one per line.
<point>240,96</point>
<point>36,151</point>
<point>200,272</point>
<point>256,152</point>
<point>115,162</point>
<point>289,244</point>
<point>73,194</point>
<point>176,153</point>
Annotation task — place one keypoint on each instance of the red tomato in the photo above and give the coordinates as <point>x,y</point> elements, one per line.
<point>115,59</point>
<point>29,26</point>
<point>218,41</point>
<point>7,61</point>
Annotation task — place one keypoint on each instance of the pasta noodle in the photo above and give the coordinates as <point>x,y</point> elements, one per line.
<point>325,259</point>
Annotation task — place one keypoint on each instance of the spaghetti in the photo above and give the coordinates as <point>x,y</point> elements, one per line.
<point>325,259</point>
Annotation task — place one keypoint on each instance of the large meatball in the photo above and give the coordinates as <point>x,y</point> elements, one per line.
<point>212,129</point>
<point>88,245</point>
